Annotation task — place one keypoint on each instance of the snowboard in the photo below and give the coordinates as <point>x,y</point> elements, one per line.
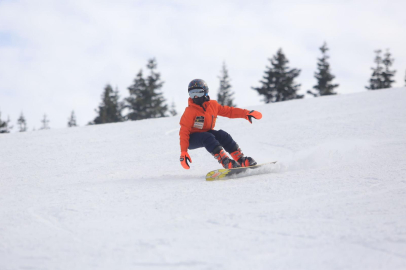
<point>224,174</point>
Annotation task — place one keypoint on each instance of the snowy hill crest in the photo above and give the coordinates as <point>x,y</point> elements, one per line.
<point>115,196</point>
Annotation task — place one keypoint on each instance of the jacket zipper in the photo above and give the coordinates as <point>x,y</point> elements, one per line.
<point>212,121</point>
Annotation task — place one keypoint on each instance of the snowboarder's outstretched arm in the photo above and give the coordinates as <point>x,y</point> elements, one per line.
<point>232,112</point>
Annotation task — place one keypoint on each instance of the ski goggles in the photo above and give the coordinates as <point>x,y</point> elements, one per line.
<point>196,93</point>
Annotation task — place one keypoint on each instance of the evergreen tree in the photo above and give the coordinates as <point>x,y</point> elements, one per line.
<point>388,74</point>
<point>323,76</point>
<point>146,100</point>
<point>225,95</point>
<point>278,82</point>
<point>45,123</point>
<point>382,76</point>
<point>173,111</point>
<point>22,124</point>
<point>376,80</point>
<point>135,102</point>
<point>5,125</point>
<point>72,120</point>
<point>110,108</point>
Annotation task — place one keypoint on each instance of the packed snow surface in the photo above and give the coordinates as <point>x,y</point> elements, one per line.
<point>114,196</point>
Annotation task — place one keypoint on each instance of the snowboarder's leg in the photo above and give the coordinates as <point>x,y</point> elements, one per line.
<point>224,159</point>
<point>225,140</point>
<point>232,147</point>
<point>203,139</point>
<point>213,146</point>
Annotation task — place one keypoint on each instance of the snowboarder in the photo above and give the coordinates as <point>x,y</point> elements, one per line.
<point>197,128</point>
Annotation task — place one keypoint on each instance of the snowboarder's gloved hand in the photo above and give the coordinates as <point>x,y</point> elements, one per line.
<point>184,158</point>
<point>255,114</point>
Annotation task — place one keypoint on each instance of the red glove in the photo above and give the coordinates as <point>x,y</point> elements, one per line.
<point>184,158</point>
<point>251,114</point>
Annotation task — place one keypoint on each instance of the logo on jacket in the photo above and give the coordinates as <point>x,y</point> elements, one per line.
<point>199,121</point>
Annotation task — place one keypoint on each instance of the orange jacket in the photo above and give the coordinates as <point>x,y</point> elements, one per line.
<point>201,119</point>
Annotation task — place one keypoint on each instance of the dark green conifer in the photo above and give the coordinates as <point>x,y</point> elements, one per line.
<point>382,75</point>
<point>72,120</point>
<point>225,95</point>
<point>110,108</point>
<point>45,123</point>
<point>173,111</point>
<point>376,80</point>
<point>278,82</point>
<point>5,126</point>
<point>387,73</point>
<point>323,76</point>
<point>146,100</point>
<point>22,123</point>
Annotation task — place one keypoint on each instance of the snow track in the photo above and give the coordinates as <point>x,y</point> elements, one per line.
<point>115,196</point>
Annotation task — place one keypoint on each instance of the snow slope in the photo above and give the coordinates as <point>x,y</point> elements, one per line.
<point>115,196</point>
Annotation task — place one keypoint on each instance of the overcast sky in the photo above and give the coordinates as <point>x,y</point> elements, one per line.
<point>57,56</point>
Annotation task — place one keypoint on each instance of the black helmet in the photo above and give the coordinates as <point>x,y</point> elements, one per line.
<point>200,96</point>
<point>198,84</point>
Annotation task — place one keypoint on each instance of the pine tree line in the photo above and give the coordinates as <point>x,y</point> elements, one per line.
<point>146,99</point>
<point>6,127</point>
<point>278,83</point>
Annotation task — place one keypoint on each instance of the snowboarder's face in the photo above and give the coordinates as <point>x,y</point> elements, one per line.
<point>199,96</point>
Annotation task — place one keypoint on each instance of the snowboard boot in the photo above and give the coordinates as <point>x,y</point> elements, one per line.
<point>224,159</point>
<point>241,159</point>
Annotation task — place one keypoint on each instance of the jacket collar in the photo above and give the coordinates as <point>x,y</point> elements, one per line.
<point>192,104</point>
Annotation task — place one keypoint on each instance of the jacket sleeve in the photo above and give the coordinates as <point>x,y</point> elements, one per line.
<point>186,123</point>
<point>231,112</point>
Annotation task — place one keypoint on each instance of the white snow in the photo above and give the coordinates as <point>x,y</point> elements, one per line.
<point>115,196</point>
